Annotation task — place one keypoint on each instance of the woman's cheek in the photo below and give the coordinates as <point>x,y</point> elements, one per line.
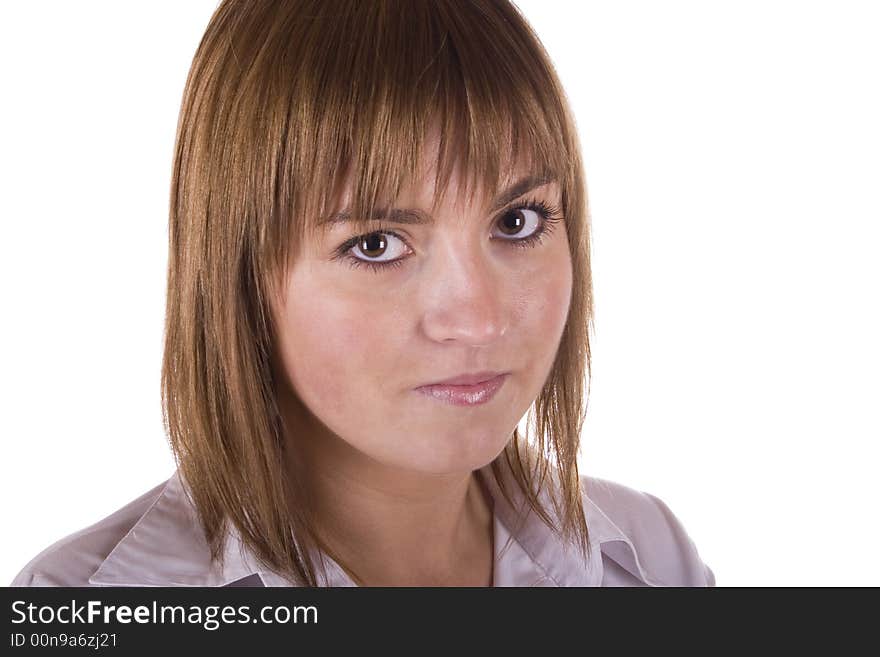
<point>546,291</point>
<point>321,345</point>
<point>548,301</point>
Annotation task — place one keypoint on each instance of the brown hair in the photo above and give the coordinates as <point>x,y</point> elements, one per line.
<point>285,93</point>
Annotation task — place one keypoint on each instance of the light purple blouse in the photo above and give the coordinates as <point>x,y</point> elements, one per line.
<point>156,540</point>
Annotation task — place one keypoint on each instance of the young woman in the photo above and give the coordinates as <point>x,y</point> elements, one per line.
<point>378,272</point>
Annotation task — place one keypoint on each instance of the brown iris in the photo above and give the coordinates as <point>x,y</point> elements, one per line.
<point>518,222</point>
<point>374,242</point>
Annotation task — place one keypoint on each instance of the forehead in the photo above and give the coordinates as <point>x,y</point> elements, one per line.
<point>421,189</point>
<point>432,163</point>
<point>428,177</point>
<point>410,207</point>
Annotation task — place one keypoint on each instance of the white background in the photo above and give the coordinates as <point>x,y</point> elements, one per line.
<point>733,162</point>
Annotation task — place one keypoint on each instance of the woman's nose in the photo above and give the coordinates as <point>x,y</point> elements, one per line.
<point>464,297</point>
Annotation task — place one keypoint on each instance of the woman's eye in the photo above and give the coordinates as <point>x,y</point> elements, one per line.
<point>526,225</point>
<point>519,222</point>
<point>520,226</point>
<point>380,247</point>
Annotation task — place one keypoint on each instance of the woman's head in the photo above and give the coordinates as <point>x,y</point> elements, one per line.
<point>304,124</point>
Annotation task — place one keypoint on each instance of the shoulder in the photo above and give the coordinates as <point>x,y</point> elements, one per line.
<point>73,559</point>
<point>641,538</point>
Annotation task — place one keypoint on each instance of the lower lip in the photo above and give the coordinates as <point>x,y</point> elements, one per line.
<point>472,395</point>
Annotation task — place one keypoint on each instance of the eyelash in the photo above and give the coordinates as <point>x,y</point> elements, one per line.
<point>549,216</point>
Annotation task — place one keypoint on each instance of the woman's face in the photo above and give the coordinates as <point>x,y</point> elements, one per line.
<point>365,324</point>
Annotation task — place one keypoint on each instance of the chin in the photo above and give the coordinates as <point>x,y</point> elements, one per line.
<point>464,452</point>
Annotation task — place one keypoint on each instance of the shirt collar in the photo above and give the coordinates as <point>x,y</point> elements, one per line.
<point>166,547</point>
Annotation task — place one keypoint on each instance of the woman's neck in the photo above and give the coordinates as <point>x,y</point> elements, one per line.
<point>390,527</point>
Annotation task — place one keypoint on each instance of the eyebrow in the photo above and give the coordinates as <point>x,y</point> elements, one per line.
<point>411,216</point>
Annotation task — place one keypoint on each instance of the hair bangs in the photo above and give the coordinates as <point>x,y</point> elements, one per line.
<point>471,97</point>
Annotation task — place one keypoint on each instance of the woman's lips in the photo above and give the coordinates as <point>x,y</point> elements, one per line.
<point>461,395</point>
